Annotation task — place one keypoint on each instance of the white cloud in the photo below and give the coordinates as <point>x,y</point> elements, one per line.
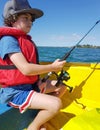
<point>66,40</point>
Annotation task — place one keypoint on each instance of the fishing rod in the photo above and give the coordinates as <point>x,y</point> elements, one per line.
<point>63,74</point>
<point>68,53</point>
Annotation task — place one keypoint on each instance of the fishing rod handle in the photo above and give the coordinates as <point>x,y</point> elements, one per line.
<point>46,77</point>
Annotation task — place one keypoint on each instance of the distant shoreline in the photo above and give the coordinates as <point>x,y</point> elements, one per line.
<point>88,46</point>
<point>78,46</point>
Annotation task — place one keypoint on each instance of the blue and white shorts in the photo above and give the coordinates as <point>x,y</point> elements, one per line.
<point>20,96</point>
<point>22,100</point>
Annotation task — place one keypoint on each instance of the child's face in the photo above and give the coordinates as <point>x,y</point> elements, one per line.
<point>24,22</point>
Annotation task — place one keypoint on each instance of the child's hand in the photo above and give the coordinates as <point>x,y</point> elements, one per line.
<point>58,65</point>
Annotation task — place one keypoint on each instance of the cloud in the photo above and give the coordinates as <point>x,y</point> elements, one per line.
<point>72,39</point>
<point>66,40</point>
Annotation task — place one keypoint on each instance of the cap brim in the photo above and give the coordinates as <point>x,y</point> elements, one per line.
<point>36,12</point>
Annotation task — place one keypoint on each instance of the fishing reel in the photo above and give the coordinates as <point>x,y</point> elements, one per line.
<point>63,76</point>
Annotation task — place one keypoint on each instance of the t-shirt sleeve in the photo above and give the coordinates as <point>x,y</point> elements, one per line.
<point>8,44</point>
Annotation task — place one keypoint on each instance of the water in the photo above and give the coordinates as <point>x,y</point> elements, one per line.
<point>77,55</point>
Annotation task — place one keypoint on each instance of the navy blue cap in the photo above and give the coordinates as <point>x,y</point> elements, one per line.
<point>20,6</point>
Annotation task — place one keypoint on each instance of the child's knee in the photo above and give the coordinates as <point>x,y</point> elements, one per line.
<point>57,105</point>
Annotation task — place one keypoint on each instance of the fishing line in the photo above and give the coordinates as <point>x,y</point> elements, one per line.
<point>68,53</point>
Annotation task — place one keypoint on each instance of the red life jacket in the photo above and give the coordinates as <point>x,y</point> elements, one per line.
<point>9,74</point>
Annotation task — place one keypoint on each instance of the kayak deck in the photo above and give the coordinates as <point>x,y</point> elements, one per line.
<point>81,105</point>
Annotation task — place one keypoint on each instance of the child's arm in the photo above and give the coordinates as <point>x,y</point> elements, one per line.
<point>26,68</point>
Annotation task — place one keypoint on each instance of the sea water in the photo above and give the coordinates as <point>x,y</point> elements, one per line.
<point>77,55</point>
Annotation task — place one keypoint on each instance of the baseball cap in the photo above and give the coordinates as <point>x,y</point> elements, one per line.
<point>20,6</point>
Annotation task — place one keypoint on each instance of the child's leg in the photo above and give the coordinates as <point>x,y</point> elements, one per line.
<point>49,106</point>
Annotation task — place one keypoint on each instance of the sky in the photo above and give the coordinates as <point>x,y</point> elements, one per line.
<point>64,22</point>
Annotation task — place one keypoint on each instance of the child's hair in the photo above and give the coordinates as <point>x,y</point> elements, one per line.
<point>13,18</point>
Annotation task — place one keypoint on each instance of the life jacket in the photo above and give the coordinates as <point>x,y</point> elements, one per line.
<point>9,74</point>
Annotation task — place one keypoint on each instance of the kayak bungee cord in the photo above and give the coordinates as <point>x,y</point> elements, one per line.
<point>64,75</point>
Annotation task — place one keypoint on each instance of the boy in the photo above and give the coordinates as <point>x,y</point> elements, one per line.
<point>19,72</point>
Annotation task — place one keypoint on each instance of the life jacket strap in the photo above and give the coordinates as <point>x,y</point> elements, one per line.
<point>7,67</point>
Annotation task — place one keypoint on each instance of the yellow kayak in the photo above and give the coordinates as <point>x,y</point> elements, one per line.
<point>81,106</point>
